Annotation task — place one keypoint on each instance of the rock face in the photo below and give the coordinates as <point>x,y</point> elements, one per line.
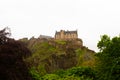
<point>63,61</point>
<point>51,55</point>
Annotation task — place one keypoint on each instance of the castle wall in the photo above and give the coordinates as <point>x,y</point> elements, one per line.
<point>66,35</point>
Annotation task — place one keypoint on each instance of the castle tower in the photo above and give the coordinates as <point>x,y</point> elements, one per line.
<point>62,34</point>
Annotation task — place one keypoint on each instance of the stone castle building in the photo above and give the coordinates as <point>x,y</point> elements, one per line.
<point>66,34</point>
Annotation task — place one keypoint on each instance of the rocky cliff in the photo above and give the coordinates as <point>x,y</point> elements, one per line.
<point>49,55</point>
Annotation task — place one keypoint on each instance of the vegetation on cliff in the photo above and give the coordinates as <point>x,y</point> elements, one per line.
<point>52,55</point>
<point>106,61</point>
<point>49,56</point>
<point>49,59</point>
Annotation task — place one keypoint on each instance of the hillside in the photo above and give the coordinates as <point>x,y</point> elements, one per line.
<point>45,58</point>
<point>49,55</point>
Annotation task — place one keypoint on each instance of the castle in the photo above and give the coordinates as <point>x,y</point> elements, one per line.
<point>66,34</point>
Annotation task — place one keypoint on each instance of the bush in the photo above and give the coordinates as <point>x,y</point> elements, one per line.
<point>35,74</point>
<point>50,77</point>
<point>81,71</point>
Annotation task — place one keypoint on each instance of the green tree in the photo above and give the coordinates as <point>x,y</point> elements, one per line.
<point>108,66</point>
<point>103,43</point>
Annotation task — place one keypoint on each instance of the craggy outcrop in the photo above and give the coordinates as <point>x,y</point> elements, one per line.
<point>52,55</point>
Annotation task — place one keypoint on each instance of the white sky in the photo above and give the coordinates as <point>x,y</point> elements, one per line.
<point>91,18</point>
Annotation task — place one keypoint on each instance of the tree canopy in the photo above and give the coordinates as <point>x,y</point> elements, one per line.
<point>12,52</point>
<point>4,35</point>
<point>109,58</point>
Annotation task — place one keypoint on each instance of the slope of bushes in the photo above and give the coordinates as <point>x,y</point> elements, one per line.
<point>75,73</point>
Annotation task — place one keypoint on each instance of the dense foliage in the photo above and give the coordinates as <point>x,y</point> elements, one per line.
<point>12,65</point>
<point>75,73</point>
<point>108,66</point>
<point>4,35</point>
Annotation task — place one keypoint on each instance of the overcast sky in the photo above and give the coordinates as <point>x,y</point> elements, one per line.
<point>91,18</point>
